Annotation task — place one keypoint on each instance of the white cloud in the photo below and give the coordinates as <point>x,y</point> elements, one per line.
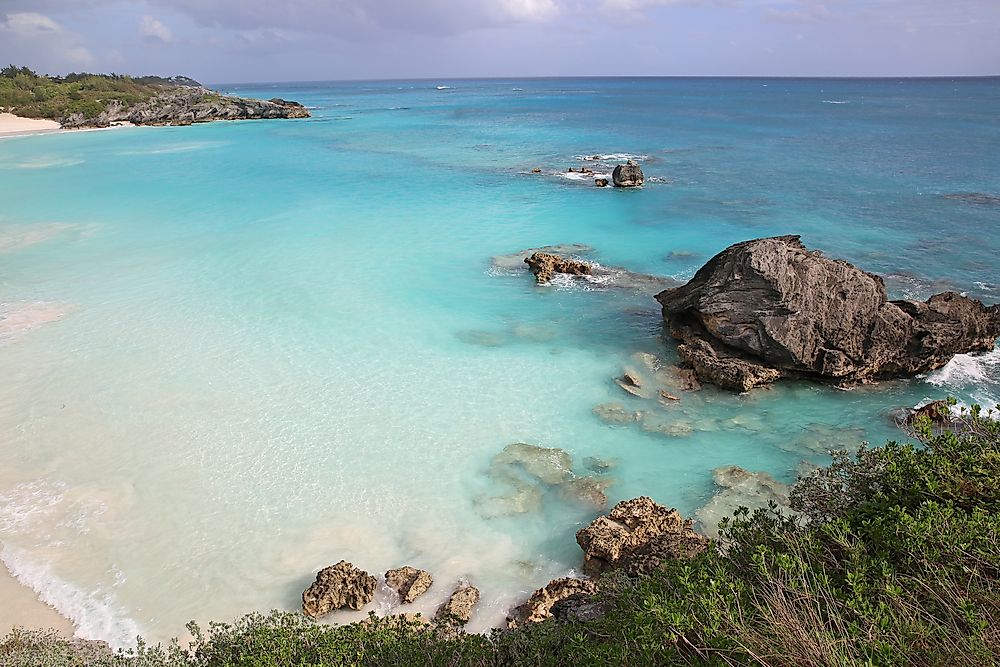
<point>36,40</point>
<point>154,30</point>
<point>30,24</point>
<point>530,10</point>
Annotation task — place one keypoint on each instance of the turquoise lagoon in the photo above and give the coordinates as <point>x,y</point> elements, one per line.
<point>235,353</point>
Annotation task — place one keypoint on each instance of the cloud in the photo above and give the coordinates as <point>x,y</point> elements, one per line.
<point>30,24</point>
<point>37,40</point>
<point>153,30</point>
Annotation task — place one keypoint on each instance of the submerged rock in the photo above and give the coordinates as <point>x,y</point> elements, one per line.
<point>458,608</point>
<point>625,537</point>
<point>616,413</point>
<point>338,586</point>
<point>628,175</point>
<point>740,488</point>
<point>548,465</point>
<point>538,607</point>
<point>770,308</point>
<point>545,266</point>
<point>409,582</point>
<point>587,491</point>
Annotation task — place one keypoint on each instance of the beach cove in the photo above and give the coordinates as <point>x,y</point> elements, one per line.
<point>239,352</point>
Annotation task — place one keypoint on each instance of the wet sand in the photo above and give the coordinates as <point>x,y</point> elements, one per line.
<point>22,608</point>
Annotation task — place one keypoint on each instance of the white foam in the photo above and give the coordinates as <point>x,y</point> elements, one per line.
<point>444,87</point>
<point>611,157</point>
<point>95,615</point>
<point>577,176</point>
<point>836,102</point>
<point>44,162</point>
<point>970,374</point>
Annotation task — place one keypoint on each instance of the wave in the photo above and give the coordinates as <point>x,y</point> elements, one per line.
<point>609,157</point>
<point>44,162</point>
<point>95,616</point>
<point>836,102</point>
<point>444,87</point>
<point>577,176</point>
<point>973,374</point>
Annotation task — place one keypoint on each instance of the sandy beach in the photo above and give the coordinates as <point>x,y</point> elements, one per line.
<point>13,126</point>
<point>22,608</point>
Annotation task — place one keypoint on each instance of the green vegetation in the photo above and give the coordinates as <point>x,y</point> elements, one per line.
<point>28,94</point>
<point>892,558</point>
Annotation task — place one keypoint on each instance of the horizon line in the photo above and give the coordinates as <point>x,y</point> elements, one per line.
<point>859,77</point>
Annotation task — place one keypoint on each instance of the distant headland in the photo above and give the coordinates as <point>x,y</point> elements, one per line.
<point>84,100</point>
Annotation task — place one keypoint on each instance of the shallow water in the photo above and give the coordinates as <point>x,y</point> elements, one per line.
<point>238,352</point>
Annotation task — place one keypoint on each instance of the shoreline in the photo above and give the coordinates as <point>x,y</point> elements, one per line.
<point>17,126</point>
<point>22,608</point>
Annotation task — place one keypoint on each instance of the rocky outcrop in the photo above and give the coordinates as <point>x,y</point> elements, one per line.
<point>636,536</point>
<point>770,308</point>
<point>458,608</point>
<point>185,105</point>
<point>600,276</point>
<point>628,175</point>
<point>538,607</point>
<point>409,582</point>
<point>338,586</point>
<point>601,182</point>
<point>545,266</point>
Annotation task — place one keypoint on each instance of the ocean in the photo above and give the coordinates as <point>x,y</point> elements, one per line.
<point>234,353</point>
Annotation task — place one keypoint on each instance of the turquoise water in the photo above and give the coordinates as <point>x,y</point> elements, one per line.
<point>235,353</point>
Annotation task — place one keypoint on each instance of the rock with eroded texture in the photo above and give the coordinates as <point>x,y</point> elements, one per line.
<point>409,582</point>
<point>628,175</point>
<point>637,535</point>
<point>336,587</point>
<point>770,308</point>
<point>545,266</point>
<point>538,607</point>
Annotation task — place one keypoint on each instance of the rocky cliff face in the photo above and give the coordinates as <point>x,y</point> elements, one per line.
<point>186,105</point>
<point>770,308</point>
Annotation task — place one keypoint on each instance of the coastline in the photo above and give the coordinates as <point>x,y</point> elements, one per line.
<point>22,608</point>
<point>16,126</point>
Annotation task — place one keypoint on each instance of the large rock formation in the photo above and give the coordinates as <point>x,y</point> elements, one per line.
<point>185,105</point>
<point>628,175</point>
<point>338,586</point>
<point>408,582</point>
<point>538,607</point>
<point>770,308</point>
<point>637,535</point>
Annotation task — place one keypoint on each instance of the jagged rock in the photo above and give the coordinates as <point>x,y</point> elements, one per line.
<point>516,261</point>
<point>458,608</point>
<point>631,382</point>
<point>612,541</point>
<point>938,412</point>
<point>409,582</point>
<point>338,586</point>
<point>538,607</point>
<point>548,465</point>
<point>616,413</point>
<point>581,607</point>
<point>601,182</point>
<point>688,379</point>
<point>628,175</point>
<point>600,276</point>
<point>544,266</point>
<point>770,308</point>
<point>740,488</point>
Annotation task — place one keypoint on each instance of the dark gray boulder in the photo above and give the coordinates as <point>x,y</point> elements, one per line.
<point>628,175</point>
<point>770,308</point>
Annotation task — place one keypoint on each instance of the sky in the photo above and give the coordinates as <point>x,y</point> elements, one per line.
<point>233,41</point>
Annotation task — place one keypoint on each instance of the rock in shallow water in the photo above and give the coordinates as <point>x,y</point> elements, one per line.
<point>628,175</point>
<point>637,535</point>
<point>409,582</point>
<point>770,308</point>
<point>740,488</point>
<point>458,608</point>
<point>538,607</point>
<point>545,266</point>
<point>338,586</point>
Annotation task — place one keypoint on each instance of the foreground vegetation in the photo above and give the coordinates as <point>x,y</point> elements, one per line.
<point>892,558</point>
<point>25,93</point>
